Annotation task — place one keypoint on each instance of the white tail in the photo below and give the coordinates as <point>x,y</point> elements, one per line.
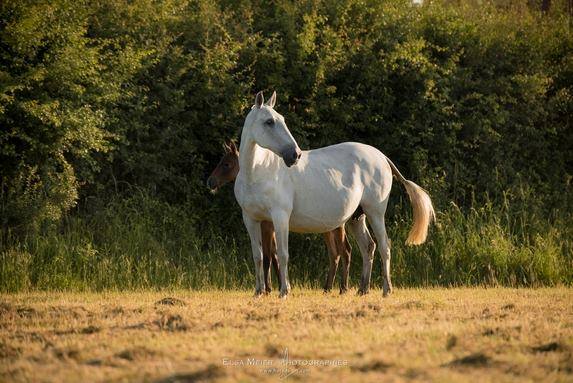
<point>422,206</point>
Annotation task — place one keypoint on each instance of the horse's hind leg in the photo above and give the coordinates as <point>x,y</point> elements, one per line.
<point>333,257</point>
<point>367,246</point>
<point>345,249</point>
<point>379,227</point>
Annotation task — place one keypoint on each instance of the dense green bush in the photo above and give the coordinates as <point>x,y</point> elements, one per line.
<point>112,114</point>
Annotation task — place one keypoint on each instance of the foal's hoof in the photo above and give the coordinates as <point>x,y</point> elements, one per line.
<point>386,290</point>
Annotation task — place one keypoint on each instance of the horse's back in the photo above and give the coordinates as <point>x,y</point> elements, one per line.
<point>330,184</point>
<point>367,161</point>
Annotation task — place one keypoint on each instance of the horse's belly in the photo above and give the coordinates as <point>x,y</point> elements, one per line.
<point>325,211</point>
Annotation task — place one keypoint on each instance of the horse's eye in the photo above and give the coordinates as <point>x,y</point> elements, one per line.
<point>226,165</point>
<point>269,122</point>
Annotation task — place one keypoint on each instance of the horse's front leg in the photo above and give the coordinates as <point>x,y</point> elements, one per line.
<point>281,224</point>
<point>268,236</point>
<point>254,229</point>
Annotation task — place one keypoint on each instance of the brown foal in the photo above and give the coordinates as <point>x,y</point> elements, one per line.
<point>336,240</point>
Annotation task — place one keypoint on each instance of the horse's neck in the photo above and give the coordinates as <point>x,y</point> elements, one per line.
<point>255,161</point>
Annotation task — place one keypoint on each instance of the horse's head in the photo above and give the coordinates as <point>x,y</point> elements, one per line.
<point>268,129</point>
<point>226,170</point>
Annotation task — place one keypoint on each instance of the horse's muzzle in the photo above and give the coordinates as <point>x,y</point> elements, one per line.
<point>291,156</point>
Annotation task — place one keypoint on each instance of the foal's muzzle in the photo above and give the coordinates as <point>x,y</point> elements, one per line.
<point>291,156</point>
<point>212,184</point>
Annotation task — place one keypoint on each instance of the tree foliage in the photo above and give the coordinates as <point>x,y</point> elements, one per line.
<point>101,98</point>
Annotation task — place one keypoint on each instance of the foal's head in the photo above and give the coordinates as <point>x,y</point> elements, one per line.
<point>268,129</point>
<point>226,170</point>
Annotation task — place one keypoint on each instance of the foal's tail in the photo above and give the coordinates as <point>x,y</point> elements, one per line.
<point>422,206</point>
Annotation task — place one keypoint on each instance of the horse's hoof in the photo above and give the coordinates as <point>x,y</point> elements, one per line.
<point>326,291</point>
<point>343,291</point>
<point>258,294</point>
<point>283,294</point>
<point>363,291</point>
<point>386,292</point>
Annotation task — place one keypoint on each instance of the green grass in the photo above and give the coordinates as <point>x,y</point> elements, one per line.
<point>141,243</point>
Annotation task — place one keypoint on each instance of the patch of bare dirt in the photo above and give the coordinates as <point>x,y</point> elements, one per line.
<point>473,360</point>
<point>413,305</point>
<point>262,316</point>
<point>114,312</point>
<point>375,365</point>
<point>451,342</point>
<point>67,353</point>
<point>5,308</point>
<point>170,301</point>
<point>207,374</point>
<point>506,333</point>
<point>273,351</point>
<point>27,312</point>
<point>172,322</point>
<point>76,312</point>
<point>136,354</point>
<point>550,347</point>
<point>9,352</point>
<point>90,330</point>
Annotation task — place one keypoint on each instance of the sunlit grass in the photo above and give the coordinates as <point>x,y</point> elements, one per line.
<point>431,334</point>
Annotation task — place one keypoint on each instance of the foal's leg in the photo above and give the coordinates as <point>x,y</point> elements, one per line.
<point>333,256</point>
<point>267,271</point>
<point>367,247</point>
<point>281,222</point>
<point>379,227</point>
<point>254,229</point>
<point>268,234</point>
<point>345,249</point>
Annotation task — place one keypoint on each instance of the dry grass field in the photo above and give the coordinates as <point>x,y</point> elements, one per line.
<point>180,336</point>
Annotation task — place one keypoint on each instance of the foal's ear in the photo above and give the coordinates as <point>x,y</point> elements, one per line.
<point>226,147</point>
<point>259,99</point>
<point>233,147</point>
<point>272,100</point>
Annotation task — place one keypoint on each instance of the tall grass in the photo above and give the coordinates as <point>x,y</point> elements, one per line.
<point>143,243</point>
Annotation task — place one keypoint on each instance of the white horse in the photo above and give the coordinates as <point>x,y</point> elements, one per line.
<point>317,195</point>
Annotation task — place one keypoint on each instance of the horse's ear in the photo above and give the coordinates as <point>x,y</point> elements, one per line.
<point>259,99</point>
<point>272,100</point>
<point>233,147</point>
